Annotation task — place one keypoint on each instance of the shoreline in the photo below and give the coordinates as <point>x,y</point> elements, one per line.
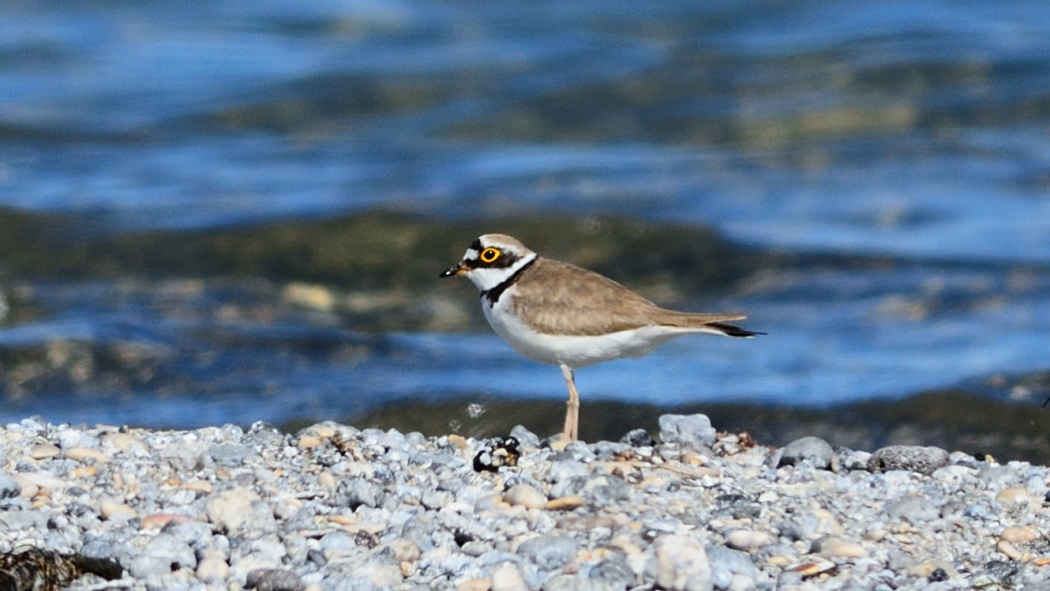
<point>954,419</point>
<point>334,507</point>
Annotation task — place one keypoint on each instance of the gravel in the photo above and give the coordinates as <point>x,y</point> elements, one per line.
<point>337,508</point>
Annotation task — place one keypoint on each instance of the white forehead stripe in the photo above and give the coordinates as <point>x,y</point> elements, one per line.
<point>470,254</point>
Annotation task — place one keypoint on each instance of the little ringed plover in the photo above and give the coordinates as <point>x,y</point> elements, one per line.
<point>558,313</point>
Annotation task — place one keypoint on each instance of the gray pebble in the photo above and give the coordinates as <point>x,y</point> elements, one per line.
<point>393,440</point>
<point>265,435</point>
<point>613,572</point>
<point>924,460</point>
<point>996,475</point>
<point>34,424</point>
<point>679,563</point>
<point>525,495</point>
<point>608,450</point>
<point>526,438</point>
<point>337,543</point>
<point>434,500</point>
<point>812,450</point>
<point>808,525</point>
<point>998,572</point>
<point>687,430</point>
<point>415,439</point>
<point>231,433</point>
<point>229,455</point>
<point>359,492</point>
<point>638,438</point>
<point>96,547</point>
<point>982,510</point>
<point>899,560</point>
<point>577,450</point>
<point>728,564</point>
<point>548,552</point>
<point>382,570</point>
<point>953,508</point>
<point>162,555</point>
<point>914,510</point>
<point>17,521</point>
<point>846,459</point>
<point>184,456</point>
<point>9,488</point>
<point>274,579</point>
<point>1036,485</point>
<point>606,490</point>
<point>476,548</point>
<point>566,469</point>
<point>193,533</point>
<point>70,438</point>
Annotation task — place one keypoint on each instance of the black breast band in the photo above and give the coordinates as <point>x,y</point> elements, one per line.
<point>493,295</point>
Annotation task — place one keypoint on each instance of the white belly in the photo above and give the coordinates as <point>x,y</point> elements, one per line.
<point>576,351</point>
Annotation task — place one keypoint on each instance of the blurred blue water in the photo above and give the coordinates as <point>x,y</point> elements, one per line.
<point>912,129</point>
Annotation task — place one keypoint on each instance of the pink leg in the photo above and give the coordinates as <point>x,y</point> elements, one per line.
<point>572,411</point>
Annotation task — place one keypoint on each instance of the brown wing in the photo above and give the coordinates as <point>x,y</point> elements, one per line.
<point>560,298</point>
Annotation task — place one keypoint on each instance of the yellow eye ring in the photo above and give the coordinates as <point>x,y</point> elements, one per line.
<point>489,255</point>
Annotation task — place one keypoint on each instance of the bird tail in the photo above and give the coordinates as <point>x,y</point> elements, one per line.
<point>732,331</point>
<point>708,323</point>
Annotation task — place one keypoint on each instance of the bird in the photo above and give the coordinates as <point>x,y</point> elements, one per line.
<point>561,314</point>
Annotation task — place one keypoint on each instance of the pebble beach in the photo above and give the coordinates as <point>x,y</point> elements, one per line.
<point>332,507</point>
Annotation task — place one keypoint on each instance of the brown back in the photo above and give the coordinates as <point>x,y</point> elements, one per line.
<point>561,298</point>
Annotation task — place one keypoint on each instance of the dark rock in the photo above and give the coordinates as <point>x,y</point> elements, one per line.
<point>274,579</point>
<point>924,460</point>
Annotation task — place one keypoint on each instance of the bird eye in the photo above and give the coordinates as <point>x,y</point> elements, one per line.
<point>489,254</point>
